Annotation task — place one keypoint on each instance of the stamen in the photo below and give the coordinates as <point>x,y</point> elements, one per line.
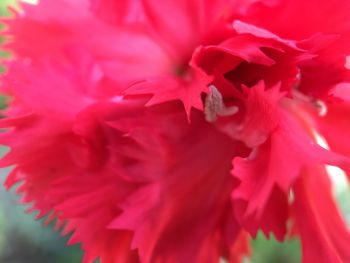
<point>214,105</point>
<point>321,107</point>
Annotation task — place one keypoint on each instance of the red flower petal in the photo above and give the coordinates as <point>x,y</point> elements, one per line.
<point>169,88</point>
<point>118,12</point>
<point>141,184</point>
<point>271,169</point>
<point>320,74</point>
<point>324,234</point>
<point>125,62</point>
<point>163,212</point>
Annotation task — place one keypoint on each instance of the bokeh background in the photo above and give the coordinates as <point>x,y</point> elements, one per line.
<point>25,240</point>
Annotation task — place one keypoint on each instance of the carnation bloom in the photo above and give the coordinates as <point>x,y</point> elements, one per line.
<point>170,131</point>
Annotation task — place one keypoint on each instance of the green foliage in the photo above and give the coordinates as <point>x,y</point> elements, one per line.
<point>3,6</point>
<point>272,251</point>
<point>24,240</point>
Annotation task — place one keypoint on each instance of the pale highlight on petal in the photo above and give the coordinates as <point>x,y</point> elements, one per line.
<point>33,2</point>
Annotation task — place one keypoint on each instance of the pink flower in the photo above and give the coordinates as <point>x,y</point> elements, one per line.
<point>170,131</point>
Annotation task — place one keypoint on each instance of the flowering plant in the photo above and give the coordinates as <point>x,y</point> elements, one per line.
<point>170,131</point>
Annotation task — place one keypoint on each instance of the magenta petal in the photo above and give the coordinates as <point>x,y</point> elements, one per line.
<point>166,209</point>
<point>169,88</point>
<point>118,12</point>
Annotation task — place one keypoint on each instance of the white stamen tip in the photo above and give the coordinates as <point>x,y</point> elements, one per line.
<point>322,107</point>
<point>214,105</point>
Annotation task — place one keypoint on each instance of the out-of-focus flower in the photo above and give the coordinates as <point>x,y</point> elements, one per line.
<point>170,131</point>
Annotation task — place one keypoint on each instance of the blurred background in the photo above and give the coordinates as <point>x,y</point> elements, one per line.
<point>24,240</point>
